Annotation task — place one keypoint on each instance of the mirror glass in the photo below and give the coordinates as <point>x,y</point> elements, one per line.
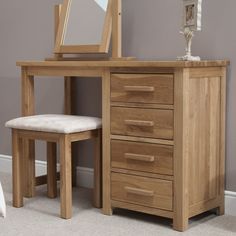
<point>85,23</point>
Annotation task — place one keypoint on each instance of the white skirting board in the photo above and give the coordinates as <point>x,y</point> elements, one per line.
<point>85,179</point>
<point>230,203</point>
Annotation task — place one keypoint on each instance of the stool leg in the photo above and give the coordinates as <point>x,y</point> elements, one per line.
<point>65,180</point>
<point>52,169</point>
<point>17,170</point>
<point>28,166</point>
<point>97,191</point>
<point>73,162</point>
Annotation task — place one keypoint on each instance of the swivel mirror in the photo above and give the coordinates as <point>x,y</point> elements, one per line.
<point>84,27</point>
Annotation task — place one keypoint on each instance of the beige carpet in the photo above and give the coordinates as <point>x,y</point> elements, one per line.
<point>40,216</point>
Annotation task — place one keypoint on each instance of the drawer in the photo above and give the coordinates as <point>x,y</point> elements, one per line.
<point>150,123</point>
<point>142,88</point>
<point>143,191</point>
<point>145,157</point>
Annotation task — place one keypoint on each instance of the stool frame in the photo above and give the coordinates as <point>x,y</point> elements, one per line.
<point>65,141</point>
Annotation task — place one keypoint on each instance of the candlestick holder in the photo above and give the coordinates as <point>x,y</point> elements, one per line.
<point>192,15</point>
<point>188,34</point>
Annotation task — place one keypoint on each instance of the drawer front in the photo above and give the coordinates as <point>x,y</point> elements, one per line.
<point>145,157</point>
<point>142,88</point>
<point>143,191</point>
<point>150,123</point>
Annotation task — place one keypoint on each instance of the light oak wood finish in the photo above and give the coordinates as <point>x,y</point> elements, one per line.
<point>68,93</point>
<point>181,194</point>
<point>142,191</point>
<point>27,93</point>
<point>57,12</point>
<point>52,169</point>
<point>106,163</point>
<point>123,65</point>
<point>195,84</point>
<point>142,88</point>
<point>17,170</point>
<point>142,157</point>
<point>148,123</point>
<point>43,179</point>
<point>142,173</point>
<point>65,180</point>
<point>64,141</point>
<point>142,139</point>
<point>144,209</point>
<point>97,195</point>
<point>69,86</point>
<point>101,47</point>
<point>116,29</point>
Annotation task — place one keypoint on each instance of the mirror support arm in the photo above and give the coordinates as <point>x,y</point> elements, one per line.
<point>116,29</point>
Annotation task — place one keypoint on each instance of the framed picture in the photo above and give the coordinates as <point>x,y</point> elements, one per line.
<point>192,14</point>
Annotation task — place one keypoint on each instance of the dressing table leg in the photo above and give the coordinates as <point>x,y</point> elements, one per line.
<point>97,189</point>
<point>181,158</point>
<point>107,210</point>
<point>68,110</point>
<point>27,85</point>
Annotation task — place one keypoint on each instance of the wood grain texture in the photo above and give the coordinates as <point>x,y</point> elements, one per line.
<point>144,209</point>
<point>181,195</point>
<point>106,162</point>
<point>65,180</point>
<point>142,157</point>
<point>57,12</point>
<point>65,175</point>
<point>204,138</point>
<point>142,139</point>
<point>16,170</point>
<point>116,29</point>
<point>141,65</point>
<point>52,169</point>
<point>97,195</point>
<point>137,122</point>
<point>142,88</point>
<point>142,173</point>
<point>196,121</point>
<point>68,101</point>
<point>27,106</point>
<point>142,191</point>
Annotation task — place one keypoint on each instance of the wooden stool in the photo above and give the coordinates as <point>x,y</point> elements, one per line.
<point>63,129</point>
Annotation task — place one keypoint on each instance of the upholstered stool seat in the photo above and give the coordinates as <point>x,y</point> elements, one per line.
<point>65,124</point>
<point>61,129</point>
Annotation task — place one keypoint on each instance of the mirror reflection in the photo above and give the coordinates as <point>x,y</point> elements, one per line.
<point>85,22</point>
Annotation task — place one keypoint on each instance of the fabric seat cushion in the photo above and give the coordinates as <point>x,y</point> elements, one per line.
<point>65,124</point>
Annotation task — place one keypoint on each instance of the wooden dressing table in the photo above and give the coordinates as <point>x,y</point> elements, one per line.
<point>163,132</point>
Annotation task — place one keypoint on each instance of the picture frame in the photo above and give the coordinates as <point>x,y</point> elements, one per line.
<point>192,14</point>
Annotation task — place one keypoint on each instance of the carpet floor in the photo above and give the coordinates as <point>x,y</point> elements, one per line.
<point>40,217</point>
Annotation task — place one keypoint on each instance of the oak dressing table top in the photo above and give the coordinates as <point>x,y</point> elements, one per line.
<point>133,63</point>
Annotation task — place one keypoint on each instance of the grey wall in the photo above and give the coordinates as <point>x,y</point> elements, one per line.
<point>150,31</point>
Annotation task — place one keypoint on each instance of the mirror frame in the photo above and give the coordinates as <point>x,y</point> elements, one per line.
<point>103,47</point>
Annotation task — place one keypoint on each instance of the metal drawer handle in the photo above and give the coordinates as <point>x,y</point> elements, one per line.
<point>138,157</point>
<point>140,192</point>
<point>139,123</point>
<point>139,88</point>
